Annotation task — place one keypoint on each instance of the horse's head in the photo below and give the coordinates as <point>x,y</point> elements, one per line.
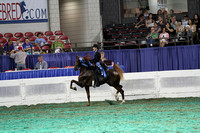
<point>77,63</point>
<point>80,60</point>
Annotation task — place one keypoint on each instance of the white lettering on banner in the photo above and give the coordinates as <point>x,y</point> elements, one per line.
<point>23,11</point>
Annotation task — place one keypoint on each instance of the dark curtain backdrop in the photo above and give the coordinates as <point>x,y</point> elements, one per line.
<point>134,60</point>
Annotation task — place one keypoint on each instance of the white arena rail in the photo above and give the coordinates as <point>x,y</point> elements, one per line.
<point>165,84</point>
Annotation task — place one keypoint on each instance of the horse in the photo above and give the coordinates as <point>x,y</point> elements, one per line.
<point>87,75</point>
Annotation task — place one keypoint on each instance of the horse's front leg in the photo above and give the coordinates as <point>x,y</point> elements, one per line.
<point>77,82</point>
<point>88,94</point>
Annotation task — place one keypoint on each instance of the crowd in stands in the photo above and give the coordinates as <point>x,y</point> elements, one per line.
<point>40,43</point>
<point>154,30</point>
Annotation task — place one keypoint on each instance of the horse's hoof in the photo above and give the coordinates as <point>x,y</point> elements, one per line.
<point>75,88</point>
<point>88,104</point>
<point>123,101</point>
<point>117,98</point>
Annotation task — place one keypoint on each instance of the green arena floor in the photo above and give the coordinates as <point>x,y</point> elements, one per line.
<point>139,116</point>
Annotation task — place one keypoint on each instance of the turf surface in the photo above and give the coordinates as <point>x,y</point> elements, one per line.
<point>154,115</point>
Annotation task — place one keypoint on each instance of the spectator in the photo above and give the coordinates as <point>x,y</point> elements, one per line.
<point>159,13</point>
<point>141,22</point>
<point>174,23</point>
<point>164,36</point>
<point>158,29</point>
<point>192,28</point>
<point>17,44</point>
<point>40,41</point>
<point>8,47</point>
<point>185,21</point>
<point>102,56</point>
<point>171,12</point>
<point>19,57</point>
<point>197,21</point>
<point>27,46</point>
<point>151,37</point>
<point>149,22</point>
<point>41,64</point>
<point>169,29</point>
<point>180,30</point>
<point>57,45</point>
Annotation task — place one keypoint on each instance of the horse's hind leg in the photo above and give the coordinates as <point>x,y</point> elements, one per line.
<point>119,89</point>
<point>88,94</point>
<point>116,96</point>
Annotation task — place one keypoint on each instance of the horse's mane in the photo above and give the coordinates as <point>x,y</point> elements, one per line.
<point>87,58</point>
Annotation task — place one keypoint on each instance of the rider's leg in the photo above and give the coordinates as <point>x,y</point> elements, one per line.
<point>103,73</point>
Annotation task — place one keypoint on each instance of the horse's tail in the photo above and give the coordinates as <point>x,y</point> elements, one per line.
<point>119,71</point>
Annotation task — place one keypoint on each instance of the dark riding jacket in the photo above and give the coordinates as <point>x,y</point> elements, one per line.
<point>97,57</point>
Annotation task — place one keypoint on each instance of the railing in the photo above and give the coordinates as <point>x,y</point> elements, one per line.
<point>136,86</point>
<point>119,44</point>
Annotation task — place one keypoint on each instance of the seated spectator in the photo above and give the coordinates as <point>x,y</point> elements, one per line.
<point>164,36</point>
<point>141,22</point>
<point>158,29</point>
<point>102,56</point>
<point>40,41</point>
<point>41,64</point>
<point>17,44</point>
<point>151,37</point>
<point>149,22</point>
<point>169,29</point>
<point>185,21</point>
<point>20,58</point>
<point>27,46</point>
<point>8,47</point>
<point>57,46</point>
<point>174,23</point>
<point>180,30</point>
<point>192,28</point>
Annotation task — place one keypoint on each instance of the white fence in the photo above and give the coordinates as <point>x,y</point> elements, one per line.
<point>145,85</point>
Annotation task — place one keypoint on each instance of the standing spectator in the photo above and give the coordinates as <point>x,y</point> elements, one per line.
<point>185,21</point>
<point>197,20</point>
<point>174,23</point>
<point>141,22</point>
<point>20,58</point>
<point>57,46</point>
<point>180,30</point>
<point>164,36</point>
<point>149,22</point>
<point>192,28</point>
<point>40,41</point>
<point>27,46</point>
<point>197,23</point>
<point>8,47</point>
<point>151,37</point>
<point>169,29</point>
<point>157,27</point>
<point>41,64</point>
<point>17,44</point>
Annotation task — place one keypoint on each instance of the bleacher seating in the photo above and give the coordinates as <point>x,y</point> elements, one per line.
<point>48,33</point>
<point>29,34</point>
<point>19,34</point>
<point>49,36</point>
<point>8,35</point>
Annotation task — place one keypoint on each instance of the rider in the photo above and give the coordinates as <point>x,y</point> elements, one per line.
<point>96,61</point>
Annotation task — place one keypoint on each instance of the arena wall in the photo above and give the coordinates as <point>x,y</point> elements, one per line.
<point>165,84</point>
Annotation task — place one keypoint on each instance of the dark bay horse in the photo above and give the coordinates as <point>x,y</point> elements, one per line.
<point>87,76</point>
